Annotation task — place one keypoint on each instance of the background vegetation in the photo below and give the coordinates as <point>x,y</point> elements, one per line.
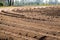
<point>1,4</point>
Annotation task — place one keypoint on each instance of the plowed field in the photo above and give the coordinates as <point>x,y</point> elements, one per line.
<point>33,23</point>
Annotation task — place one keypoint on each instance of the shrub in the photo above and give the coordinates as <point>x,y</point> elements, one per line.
<point>1,4</point>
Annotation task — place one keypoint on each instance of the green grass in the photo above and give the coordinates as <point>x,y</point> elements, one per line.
<point>31,5</point>
<point>5,6</point>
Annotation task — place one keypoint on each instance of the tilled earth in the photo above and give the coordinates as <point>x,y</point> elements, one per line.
<point>30,23</point>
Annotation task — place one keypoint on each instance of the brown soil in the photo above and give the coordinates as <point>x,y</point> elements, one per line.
<point>30,23</point>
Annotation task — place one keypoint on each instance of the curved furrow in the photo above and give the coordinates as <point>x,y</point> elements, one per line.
<point>8,20</point>
<point>10,23</point>
<point>16,35</point>
<point>51,32</point>
<point>32,16</point>
<point>46,22</point>
<point>25,32</point>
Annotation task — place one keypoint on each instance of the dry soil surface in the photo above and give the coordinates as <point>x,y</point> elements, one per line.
<point>30,23</point>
